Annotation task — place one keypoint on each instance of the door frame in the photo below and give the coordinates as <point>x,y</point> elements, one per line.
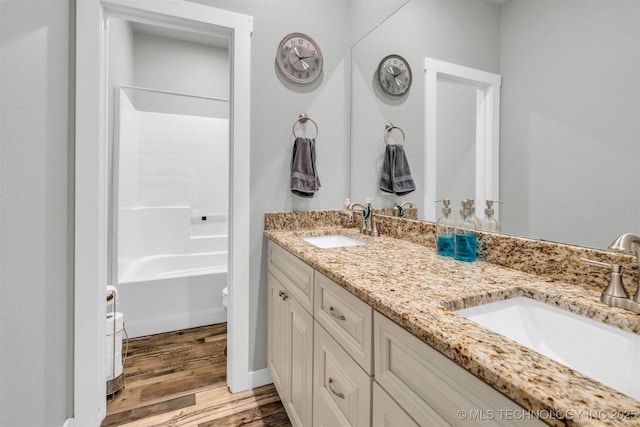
<point>487,86</point>
<point>92,175</point>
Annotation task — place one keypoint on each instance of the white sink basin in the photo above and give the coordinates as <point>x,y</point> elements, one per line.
<point>602,352</point>
<point>332,241</point>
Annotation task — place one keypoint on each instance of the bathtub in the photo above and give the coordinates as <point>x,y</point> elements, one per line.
<point>162,293</point>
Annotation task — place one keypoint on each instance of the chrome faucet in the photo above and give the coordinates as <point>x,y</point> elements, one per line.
<point>615,294</point>
<point>629,244</point>
<point>398,209</point>
<point>368,221</point>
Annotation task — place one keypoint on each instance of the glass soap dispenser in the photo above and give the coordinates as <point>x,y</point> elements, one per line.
<point>445,227</point>
<point>473,216</point>
<point>465,235</point>
<point>489,222</point>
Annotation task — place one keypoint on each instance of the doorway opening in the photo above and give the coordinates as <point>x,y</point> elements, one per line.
<point>93,242</point>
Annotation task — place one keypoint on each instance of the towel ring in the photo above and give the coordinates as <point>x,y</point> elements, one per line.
<point>302,118</point>
<point>388,129</point>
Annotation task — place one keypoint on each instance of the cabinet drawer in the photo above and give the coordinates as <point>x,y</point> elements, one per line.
<point>341,389</point>
<point>422,381</point>
<point>293,273</point>
<point>347,318</point>
<point>387,412</point>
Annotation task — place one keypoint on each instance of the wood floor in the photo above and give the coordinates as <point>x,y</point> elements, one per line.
<point>179,379</point>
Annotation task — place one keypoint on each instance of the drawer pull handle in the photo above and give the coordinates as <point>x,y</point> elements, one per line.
<point>280,294</point>
<point>283,295</point>
<point>340,395</point>
<point>337,316</point>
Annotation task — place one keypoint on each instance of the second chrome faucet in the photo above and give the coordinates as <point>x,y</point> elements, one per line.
<point>615,294</point>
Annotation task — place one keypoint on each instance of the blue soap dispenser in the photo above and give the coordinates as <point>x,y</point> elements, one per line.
<point>465,235</point>
<point>445,227</point>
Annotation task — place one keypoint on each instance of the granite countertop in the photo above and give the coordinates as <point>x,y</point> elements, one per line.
<point>419,290</point>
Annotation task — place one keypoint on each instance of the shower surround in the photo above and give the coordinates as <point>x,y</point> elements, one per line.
<point>171,217</point>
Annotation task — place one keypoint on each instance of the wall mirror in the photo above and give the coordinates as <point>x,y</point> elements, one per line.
<point>569,108</point>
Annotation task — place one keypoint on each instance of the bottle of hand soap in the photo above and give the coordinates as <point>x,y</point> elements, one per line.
<point>465,237</point>
<point>445,227</point>
<point>489,222</point>
<point>473,216</point>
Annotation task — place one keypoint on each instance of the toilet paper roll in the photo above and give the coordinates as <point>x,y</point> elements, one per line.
<point>114,332</point>
<point>114,326</point>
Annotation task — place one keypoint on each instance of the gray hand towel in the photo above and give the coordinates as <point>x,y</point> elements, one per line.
<point>396,174</point>
<point>304,176</point>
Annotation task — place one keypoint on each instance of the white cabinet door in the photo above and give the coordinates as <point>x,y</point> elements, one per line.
<point>299,345</point>
<point>276,317</point>
<point>341,389</point>
<point>387,412</point>
<point>290,352</point>
<point>431,387</point>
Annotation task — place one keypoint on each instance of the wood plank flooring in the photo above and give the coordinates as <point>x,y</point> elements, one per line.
<point>179,379</point>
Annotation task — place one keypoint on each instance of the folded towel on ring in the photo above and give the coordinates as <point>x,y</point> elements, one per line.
<point>396,174</point>
<point>304,176</point>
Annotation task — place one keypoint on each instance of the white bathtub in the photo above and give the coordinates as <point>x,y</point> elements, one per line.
<point>161,293</point>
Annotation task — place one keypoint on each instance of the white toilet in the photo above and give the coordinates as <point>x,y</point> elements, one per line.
<point>225,298</point>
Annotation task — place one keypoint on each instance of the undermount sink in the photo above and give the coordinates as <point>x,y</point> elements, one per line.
<point>600,351</point>
<point>332,241</point>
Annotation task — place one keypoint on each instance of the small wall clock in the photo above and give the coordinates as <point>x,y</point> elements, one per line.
<point>394,75</point>
<point>299,58</point>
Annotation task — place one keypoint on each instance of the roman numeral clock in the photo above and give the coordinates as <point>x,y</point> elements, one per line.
<point>299,58</point>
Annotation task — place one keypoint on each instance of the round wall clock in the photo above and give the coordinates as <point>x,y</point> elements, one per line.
<point>394,75</point>
<point>299,58</point>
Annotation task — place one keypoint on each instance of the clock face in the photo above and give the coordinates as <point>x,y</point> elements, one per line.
<point>394,75</point>
<point>299,58</point>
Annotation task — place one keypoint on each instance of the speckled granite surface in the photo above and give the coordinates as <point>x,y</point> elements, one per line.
<point>553,260</point>
<point>406,281</point>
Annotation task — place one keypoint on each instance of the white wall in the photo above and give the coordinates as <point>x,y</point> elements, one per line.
<point>570,124</point>
<point>36,218</point>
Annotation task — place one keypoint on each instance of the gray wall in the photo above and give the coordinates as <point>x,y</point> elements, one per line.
<point>569,120</point>
<point>36,220</point>
<point>276,104</point>
<point>36,292</point>
<point>461,32</point>
<point>36,303</point>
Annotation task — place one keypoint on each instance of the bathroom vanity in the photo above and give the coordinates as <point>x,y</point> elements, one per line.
<point>368,335</point>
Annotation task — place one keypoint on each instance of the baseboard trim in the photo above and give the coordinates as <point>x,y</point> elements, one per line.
<point>259,378</point>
